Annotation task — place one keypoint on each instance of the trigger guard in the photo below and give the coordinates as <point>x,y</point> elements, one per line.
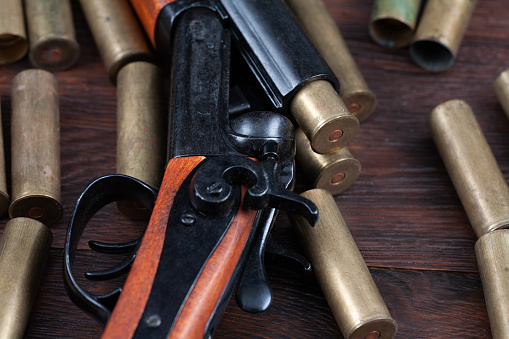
<point>98,194</point>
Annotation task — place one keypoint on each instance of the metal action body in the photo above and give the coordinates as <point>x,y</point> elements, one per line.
<point>224,183</point>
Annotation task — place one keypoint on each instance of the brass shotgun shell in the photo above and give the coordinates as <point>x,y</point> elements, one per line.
<point>492,252</point>
<point>117,34</point>
<point>501,87</point>
<point>140,129</point>
<point>53,44</point>
<point>5,200</point>
<point>323,117</point>
<point>325,35</point>
<point>13,38</point>
<point>35,138</point>
<point>24,249</point>
<point>439,33</point>
<point>342,273</point>
<point>393,22</point>
<point>334,172</point>
<point>471,165</point>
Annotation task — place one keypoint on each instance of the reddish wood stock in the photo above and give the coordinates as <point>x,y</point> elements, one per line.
<point>147,11</point>
<point>136,290</point>
<point>214,279</point>
<point>209,287</point>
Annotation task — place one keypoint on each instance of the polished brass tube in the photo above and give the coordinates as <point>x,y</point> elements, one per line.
<point>492,252</point>
<point>471,165</point>
<point>5,200</point>
<point>485,197</point>
<point>342,273</point>
<point>24,249</point>
<point>117,34</point>
<point>334,172</point>
<point>53,44</point>
<point>501,87</point>
<point>35,155</point>
<point>393,22</point>
<point>440,32</point>
<point>323,117</point>
<point>13,37</point>
<point>325,35</point>
<point>140,128</point>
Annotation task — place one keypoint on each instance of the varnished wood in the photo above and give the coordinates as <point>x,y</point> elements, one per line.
<point>214,278</point>
<point>147,12</point>
<point>403,211</point>
<point>136,290</point>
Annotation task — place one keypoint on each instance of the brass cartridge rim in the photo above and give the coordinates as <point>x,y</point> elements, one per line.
<point>43,208</point>
<point>386,328</point>
<point>126,57</point>
<point>54,53</point>
<point>334,134</point>
<point>338,176</point>
<point>361,104</point>
<point>13,47</point>
<point>432,55</point>
<point>391,32</point>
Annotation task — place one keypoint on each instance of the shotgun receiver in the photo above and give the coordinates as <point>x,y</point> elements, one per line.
<point>224,184</point>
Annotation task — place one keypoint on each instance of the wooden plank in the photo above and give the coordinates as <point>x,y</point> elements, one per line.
<point>403,211</point>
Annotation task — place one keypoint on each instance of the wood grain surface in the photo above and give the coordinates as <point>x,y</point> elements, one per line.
<point>403,211</point>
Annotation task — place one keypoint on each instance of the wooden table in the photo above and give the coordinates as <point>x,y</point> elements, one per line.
<point>403,210</point>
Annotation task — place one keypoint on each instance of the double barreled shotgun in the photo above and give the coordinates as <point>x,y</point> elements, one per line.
<point>286,64</point>
<point>224,183</point>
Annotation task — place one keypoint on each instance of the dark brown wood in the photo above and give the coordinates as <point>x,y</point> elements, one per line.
<point>403,211</point>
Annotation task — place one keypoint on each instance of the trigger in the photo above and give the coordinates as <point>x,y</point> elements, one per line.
<point>253,291</point>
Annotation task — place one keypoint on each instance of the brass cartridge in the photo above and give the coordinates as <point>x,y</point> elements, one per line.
<point>5,200</point>
<point>53,44</point>
<point>13,37</point>
<point>24,249</point>
<point>471,165</point>
<point>323,117</point>
<point>117,34</point>
<point>492,252</point>
<point>501,87</point>
<point>325,35</point>
<point>140,129</point>
<point>35,156</point>
<point>393,22</point>
<point>334,172</point>
<point>485,198</point>
<point>439,34</point>
<point>342,273</point>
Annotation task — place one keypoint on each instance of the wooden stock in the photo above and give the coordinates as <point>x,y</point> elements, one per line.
<point>136,290</point>
<point>214,279</point>
<point>147,11</point>
<point>209,287</point>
